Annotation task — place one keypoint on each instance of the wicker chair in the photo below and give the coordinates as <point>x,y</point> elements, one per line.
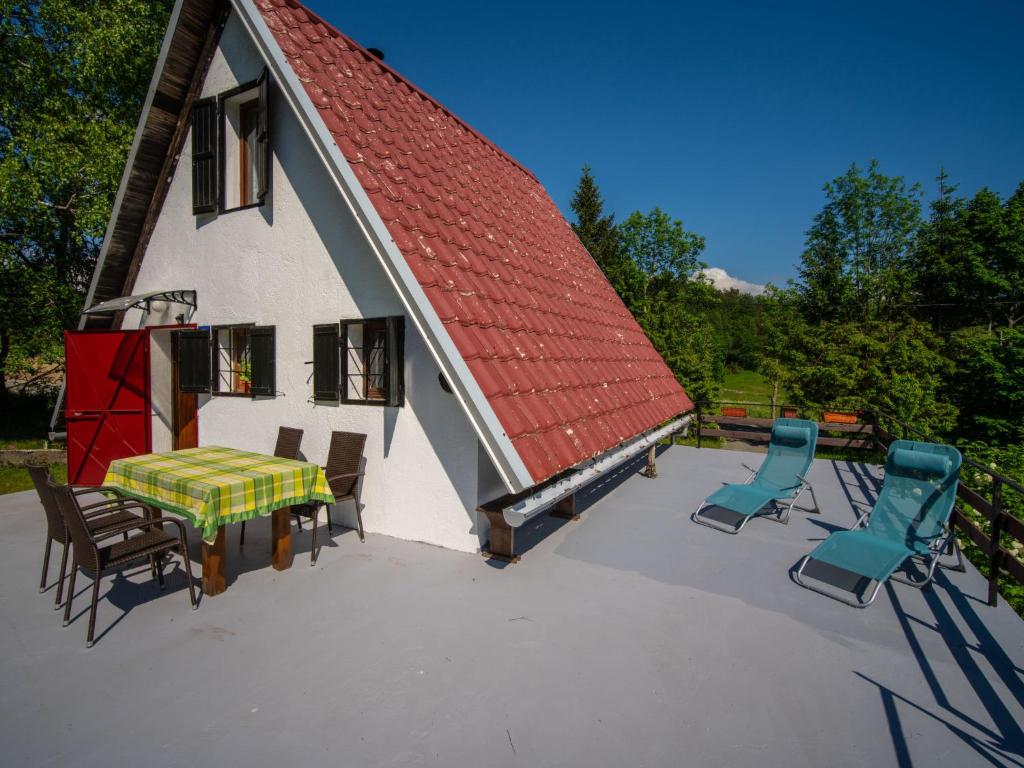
<point>344,458</point>
<point>150,544</point>
<point>98,516</point>
<point>288,441</point>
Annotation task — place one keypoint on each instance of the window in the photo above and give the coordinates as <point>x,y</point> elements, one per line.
<point>371,357</point>
<point>233,364</point>
<point>230,149</point>
<point>228,360</point>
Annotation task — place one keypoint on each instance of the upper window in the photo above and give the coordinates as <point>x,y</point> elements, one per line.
<point>230,149</point>
<point>371,360</point>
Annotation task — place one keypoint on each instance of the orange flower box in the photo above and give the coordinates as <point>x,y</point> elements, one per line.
<point>734,411</point>
<point>839,417</point>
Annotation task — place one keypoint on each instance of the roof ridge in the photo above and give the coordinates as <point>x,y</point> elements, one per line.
<point>317,18</point>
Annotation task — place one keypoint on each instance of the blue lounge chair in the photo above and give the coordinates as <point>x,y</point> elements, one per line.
<point>782,476</point>
<point>909,520</point>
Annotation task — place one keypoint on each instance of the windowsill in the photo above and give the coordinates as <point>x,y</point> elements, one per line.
<point>240,208</point>
<point>250,395</point>
<point>384,403</point>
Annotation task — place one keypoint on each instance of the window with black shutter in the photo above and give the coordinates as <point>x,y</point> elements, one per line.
<point>245,144</point>
<point>243,360</point>
<point>231,148</point>
<point>193,361</point>
<point>373,364</point>
<point>205,161</point>
<point>325,362</point>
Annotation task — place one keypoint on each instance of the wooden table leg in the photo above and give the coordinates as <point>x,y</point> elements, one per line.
<point>281,538</point>
<point>213,565</point>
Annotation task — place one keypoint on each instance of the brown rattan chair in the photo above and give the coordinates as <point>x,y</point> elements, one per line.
<point>344,458</point>
<point>288,441</point>
<point>152,544</point>
<point>99,516</point>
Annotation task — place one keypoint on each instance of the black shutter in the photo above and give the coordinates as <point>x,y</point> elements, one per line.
<point>263,137</point>
<point>205,164</point>
<point>261,357</point>
<point>193,361</point>
<point>396,360</point>
<point>325,362</point>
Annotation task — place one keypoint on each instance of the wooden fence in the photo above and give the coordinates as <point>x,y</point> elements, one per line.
<point>874,431</point>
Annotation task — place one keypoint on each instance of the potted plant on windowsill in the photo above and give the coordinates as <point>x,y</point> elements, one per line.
<point>245,376</point>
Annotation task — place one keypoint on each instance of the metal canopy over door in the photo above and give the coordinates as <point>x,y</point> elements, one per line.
<point>107,400</point>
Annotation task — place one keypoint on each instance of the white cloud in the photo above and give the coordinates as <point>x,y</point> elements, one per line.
<point>723,281</point>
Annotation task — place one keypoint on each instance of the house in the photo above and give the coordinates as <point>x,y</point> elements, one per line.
<point>302,237</point>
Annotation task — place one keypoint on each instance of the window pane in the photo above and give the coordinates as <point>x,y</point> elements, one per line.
<point>376,359</point>
<point>234,372</point>
<point>248,127</point>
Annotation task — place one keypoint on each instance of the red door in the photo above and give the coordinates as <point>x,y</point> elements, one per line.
<point>106,400</point>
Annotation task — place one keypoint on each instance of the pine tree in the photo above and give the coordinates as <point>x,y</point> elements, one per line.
<point>595,229</point>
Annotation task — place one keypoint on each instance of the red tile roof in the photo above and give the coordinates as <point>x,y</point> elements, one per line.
<point>562,362</point>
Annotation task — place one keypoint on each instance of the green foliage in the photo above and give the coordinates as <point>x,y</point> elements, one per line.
<point>74,73</point>
<point>651,261</point>
<point>15,479</point>
<point>660,283</point>
<point>848,365</point>
<point>1007,461</point>
<point>970,260</point>
<point>595,229</point>
<point>987,382</point>
<point>739,325</point>
<point>855,265</point>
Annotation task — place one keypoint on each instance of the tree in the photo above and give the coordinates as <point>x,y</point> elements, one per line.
<point>856,262</point>
<point>987,383</point>
<point>74,75</point>
<point>661,283</point>
<point>595,229</point>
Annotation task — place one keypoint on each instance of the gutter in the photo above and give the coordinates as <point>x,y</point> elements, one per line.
<point>522,510</point>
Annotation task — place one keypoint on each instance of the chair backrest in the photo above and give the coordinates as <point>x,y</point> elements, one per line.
<point>54,520</point>
<point>790,453</point>
<point>288,441</point>
<point>343,458</point>
<point>86,552</point>
<point>918,493</point>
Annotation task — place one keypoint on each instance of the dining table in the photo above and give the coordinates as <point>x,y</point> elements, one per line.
<point>214,486</point>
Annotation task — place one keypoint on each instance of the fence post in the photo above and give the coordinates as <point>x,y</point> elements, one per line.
<point>699,423</point>
<point>997,532</point>
<point>775,395</point>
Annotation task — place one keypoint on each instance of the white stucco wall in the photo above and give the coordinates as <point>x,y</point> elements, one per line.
<point>161,391</point>
<point>298,261</point>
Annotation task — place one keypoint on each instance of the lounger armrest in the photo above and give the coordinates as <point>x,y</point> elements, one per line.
<point>748,468</point>
<point>125,527</point>
<point>865,513</point>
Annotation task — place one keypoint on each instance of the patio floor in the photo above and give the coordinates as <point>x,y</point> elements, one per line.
<point>632,637</point>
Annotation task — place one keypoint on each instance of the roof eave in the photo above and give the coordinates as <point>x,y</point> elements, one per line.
<point>496,442</point>
<point>140,130</point>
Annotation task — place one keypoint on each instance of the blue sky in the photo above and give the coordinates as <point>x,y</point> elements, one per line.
<point>730,116</point>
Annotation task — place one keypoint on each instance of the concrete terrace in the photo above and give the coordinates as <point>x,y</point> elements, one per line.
<point>632,637</point>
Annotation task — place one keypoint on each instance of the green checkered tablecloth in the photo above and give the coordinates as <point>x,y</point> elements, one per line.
<point>213,486</point>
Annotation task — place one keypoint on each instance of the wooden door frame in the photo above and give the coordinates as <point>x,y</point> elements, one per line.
<point>184,431</point>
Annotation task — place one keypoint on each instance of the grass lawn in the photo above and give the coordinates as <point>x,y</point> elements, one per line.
<point>749,386</point>
<point>14,479</point>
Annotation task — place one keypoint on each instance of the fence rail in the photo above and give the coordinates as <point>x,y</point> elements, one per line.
<point>875,431</point>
